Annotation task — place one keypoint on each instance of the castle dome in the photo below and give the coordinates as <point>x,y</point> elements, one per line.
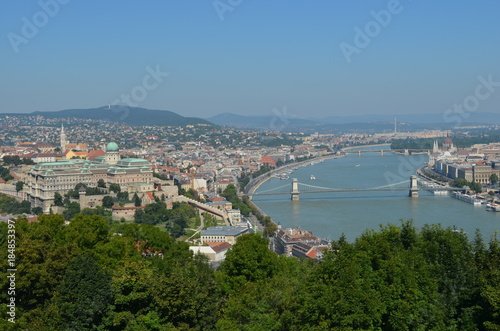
<point>112,147</point>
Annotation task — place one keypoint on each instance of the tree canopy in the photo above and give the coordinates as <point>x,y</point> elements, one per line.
<point>85,276</point>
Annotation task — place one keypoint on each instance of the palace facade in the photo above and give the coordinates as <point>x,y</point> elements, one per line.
<point>45,179</point>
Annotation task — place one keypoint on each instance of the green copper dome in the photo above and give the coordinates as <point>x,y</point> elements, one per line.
<point>112,147</point>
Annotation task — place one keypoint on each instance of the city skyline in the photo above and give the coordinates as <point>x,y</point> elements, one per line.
<point>326,59</point>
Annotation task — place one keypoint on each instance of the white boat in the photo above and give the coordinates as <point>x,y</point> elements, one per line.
<point>493,207</point>
<point>357,165</point>
<point>466,198</point>
<point>312,177</point>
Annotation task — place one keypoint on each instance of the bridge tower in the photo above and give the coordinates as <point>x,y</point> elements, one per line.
<point>295,189</point>
<point>413,187</point>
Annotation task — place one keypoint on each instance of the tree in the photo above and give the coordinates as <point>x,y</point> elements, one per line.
<point>122,196</point>
<point>154,213</point>
<point>459,182</point>
<point>137,201</point>
<point>58,199</point>
<point>72,209</point>
<point>84,294</point>
<point>114,188</point>
<point>37,210</point>
<point>108,201</point>
<point>493,179</point>
<point>19,186</point>
<point>475,186</point>
<point>101,183</point>
<point>249,260</point>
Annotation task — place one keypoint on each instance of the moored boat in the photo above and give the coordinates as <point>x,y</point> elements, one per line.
<point>466,198</point>
<point>493,207</point>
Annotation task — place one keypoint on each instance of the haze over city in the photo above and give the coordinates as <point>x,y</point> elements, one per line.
<point>327,58</point>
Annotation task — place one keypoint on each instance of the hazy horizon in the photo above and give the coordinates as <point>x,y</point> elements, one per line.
<point>329,58</point>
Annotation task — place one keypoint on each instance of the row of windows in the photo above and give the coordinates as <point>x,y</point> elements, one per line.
<point>209,238</point>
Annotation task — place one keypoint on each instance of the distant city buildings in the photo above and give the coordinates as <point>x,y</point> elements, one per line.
<point>299,243</point>
<point>476,164</point>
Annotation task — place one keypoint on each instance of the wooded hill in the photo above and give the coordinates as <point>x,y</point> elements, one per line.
<point>83,276</point>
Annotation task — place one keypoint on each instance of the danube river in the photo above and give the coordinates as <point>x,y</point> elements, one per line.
<point>328,215</point>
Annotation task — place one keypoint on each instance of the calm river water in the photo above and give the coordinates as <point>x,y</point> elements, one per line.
<point>328,215</point>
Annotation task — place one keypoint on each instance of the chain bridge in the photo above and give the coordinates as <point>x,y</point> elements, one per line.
<point>295,189</point>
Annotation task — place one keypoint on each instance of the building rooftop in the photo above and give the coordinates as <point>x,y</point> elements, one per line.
<point>224,231</point>
<point>112,147</point>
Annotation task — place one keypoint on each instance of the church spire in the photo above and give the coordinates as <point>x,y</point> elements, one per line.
<point>63,139</point>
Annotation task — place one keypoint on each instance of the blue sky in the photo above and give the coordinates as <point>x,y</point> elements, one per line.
<point>250,57</point>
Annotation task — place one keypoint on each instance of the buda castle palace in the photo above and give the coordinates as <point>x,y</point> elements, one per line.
<point>45,179</point>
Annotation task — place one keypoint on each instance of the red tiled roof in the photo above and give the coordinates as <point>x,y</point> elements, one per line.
<point>95,153</point>
<point>312,254</point>
<point>221,247</point>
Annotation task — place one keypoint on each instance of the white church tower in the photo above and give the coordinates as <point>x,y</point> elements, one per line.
<point>63,139</point>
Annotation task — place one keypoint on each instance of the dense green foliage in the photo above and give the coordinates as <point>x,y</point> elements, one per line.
<point>16,160</point>
<point>493,179</point>
<point>11,206</point>
<point>5,174</point>
<point>107,201</point>
<point>75,192</point>
<point>459,141</point>
<point>19,186</point>
<point>461,182</point>
<point>176,219</point>
<point>231,195</point>
<point>82,276</point>
<point>421,143</point>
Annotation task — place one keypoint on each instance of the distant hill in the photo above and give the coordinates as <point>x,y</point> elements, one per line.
<point>291,123</point>
<point>424,118</point>
<point>131,115</point>
<point>366,123</point>
<point>261,122</point>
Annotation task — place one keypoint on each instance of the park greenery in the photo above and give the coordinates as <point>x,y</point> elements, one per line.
<point>11,206</point>
<point>5,174</point>
<point>83,276</point>
<point>176,220</point>
<point>459,141</point>
<point>16,160</point>
<point>474,186</point>
<point>231,195</point>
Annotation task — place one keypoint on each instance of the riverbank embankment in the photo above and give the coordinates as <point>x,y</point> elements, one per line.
<point>255,183</point>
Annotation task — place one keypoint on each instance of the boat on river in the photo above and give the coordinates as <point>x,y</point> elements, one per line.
<point>493,207</point>
<point>472,199</point>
